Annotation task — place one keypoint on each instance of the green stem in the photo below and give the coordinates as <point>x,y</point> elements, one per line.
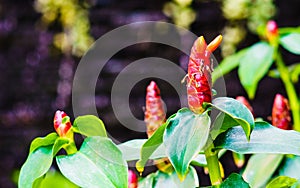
<point>213,165</point>
<point>71,148</point>
<point>290,89</point>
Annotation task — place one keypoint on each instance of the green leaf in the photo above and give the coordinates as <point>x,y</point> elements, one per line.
<point>184,137</point>
<point>163,180</point>
<point>131,150</point>
<point>151,145</point>
<point>148,181</point>
<point>199,160</point>
<point>260,168</point>
<point>43,141</point>
<point>254,65</point>
<point>291,167</point>
<point>89,125</point>
<point>228,64</point>
<point>265,138</point>
<point>291,42</point>
<point>288,30</point>
<point>54,179</point>
<point>234,180</point>
<point>99,162</point>
<point>294,72</point>
<point>236,111</point>
<point>281,182</point>
<point>37,164</point>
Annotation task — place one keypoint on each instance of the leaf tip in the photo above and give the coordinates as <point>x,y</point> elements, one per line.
<point>139,167</point>
<point>181,177</point>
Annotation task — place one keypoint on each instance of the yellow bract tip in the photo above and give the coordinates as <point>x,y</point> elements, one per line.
<point>213,45</point>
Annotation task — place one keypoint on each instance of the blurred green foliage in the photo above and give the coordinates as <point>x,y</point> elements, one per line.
<point>73,16</point>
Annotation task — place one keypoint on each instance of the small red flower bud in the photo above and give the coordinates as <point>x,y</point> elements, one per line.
<point>132,179</point>
<point>199,74</point>
<point>272,31</point>
<point>62,124</point>
<point>245,102</point>
<point>281,116</point>
<point>155,114</point>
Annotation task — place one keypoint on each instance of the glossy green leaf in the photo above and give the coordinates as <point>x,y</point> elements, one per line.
<point>291,42</point>
<point>234,180</point>
<point>148,181</point>
<point>200,159</point>
<point>185,135</point>
<point>265,138</point>
<point>228,64</point>
<point>260,168</point>
<point>89,125</point>
<point>43,141</point>
<point>37,164</point>
<point>55,179</point>
<point>164,180</point>
<point>291,167</point>
<point>151,145</point>
<point>254,65</point>
<point>281,182</point>
<point>99,162</point>
<point>236,111</point>
<point>131,150</point>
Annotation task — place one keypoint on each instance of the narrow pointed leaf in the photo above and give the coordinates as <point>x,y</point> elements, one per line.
<point>260,168</point>
<point>89,125</point>
<point>37,164</point>
<point>151,145</point>
<point>265,138</point>
<point>184,137</point>
<point>235,111</point>
<point>291,42</point>
<point>254,65</point>
<point>99,162</point>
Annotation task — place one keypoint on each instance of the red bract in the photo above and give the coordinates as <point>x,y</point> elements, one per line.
<point>272,31</point>
<point>132,179</point>
<point>245,102</point>
<point>62,124</point>
<point>199,73</point>
<point>281,116</point>
<point>155,114</point>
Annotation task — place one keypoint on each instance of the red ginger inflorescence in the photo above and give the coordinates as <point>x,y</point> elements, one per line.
<point>281,116</point>
<point>62,123</point>
<point>132,179</point>
<point>155,114</point>
<point>199,83</point>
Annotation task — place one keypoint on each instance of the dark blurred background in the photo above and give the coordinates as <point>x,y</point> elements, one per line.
<point>41,43</point>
